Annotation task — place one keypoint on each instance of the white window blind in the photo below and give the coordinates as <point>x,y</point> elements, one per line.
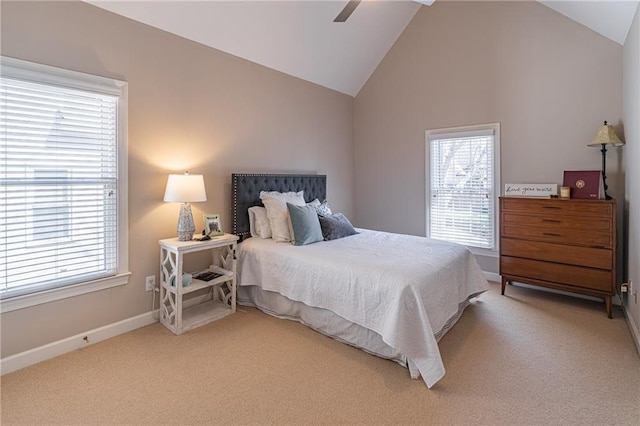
<point>59,176</point>
<point>462,187</point>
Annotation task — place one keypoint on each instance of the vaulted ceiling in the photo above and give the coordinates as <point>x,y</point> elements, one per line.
<point>300,38</point>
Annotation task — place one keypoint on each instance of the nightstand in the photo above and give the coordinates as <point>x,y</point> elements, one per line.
<point>179,315</point>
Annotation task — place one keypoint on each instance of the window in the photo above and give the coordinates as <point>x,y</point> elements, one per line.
<point>463,183</point>
<point>63,212</point>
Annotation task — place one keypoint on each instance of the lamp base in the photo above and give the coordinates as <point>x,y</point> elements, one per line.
<point>185,236</point>
<point>603,150</point>
<point>186,227</point>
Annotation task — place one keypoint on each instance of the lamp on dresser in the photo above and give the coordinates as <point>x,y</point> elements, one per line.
<point>185,189</point>
<point>606,136</point>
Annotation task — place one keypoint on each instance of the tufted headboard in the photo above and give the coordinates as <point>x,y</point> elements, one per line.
<point>246,187</point>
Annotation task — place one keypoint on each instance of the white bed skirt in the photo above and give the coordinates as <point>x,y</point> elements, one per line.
<point>322,321</point>
<point>391,295</point>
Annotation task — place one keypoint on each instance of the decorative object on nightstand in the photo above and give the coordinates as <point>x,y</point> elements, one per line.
<point>212,224</point>
<point>185,189</point>
<point>606,136</point>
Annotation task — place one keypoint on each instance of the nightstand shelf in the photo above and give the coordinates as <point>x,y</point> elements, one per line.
<point>180,315</point>
<point>204,313</point>
<point>199,284</point>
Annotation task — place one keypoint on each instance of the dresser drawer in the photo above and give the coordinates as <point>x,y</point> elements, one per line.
<point>555,207</point>
<point>553,222</point>
<point>578,256</point>
<point>594,279</point>
<point>569,237</point>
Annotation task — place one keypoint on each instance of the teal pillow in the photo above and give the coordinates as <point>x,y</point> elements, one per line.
<point>305,226</point>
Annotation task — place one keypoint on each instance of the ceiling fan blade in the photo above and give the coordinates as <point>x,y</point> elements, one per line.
<point>347,11</point>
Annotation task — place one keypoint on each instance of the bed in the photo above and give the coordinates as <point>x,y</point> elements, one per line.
<point>391,295</point>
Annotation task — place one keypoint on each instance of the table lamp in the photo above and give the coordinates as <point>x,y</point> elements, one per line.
<point>605,136</point>
<point>185,189</point>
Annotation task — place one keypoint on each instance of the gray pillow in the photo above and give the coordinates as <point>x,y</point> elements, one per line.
<point>305,226</point>
<point>336,226</point>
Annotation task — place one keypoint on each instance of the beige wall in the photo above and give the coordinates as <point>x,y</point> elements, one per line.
<point>190,108</point>
<point>631,89</point>
<point>549,81</point>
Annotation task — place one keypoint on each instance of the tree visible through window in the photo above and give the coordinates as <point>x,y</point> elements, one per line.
<point>462,185</point>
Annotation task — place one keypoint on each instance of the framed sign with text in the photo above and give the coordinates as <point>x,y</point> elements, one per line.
<point>544,190</point>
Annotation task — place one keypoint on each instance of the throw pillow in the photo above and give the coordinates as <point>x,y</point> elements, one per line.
<point>276,205</point>
<point>336,226</point>
<point>323,208</point>
<point>259,222</point>
<point>305,225</point>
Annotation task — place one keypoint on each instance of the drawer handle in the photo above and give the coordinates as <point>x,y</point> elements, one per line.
<point>551,207</point>
<point>549,234</point>
<point>551,220</point>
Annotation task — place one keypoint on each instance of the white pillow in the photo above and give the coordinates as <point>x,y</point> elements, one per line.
<point>277,212</point>
<point>259,222</point>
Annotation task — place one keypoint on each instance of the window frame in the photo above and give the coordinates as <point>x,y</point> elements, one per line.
<point>451,132</point>
<point>45,74</point>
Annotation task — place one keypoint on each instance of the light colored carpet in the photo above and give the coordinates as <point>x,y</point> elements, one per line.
<point>526,358</point>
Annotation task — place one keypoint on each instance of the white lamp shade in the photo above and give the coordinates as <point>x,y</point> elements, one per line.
<point>606,135</point>
<point>185,189</point>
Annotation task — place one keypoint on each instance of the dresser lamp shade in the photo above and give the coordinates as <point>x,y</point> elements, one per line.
<point>185,189</point>
<point>606,136</point>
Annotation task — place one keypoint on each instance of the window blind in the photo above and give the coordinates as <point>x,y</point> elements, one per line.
<point>58,204</point>
<point>462,207</point>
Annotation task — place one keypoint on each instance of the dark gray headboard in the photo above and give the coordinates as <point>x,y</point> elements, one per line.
<point>246,187</point>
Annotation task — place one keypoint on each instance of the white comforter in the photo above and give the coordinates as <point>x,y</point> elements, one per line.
<point>407,289</point>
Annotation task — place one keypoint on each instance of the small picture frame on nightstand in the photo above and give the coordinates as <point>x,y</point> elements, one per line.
<point>212,224</point>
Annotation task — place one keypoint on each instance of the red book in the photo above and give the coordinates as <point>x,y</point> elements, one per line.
<point>587,184</point>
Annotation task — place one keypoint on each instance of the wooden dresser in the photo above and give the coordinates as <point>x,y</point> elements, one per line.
<point>567,245</point>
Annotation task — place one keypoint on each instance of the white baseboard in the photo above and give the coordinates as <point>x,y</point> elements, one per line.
<point>54,349</point>
<point>492,276</point>
<point>635,333</point>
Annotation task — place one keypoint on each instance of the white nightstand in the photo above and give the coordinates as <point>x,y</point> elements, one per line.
<point>222,290</point>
